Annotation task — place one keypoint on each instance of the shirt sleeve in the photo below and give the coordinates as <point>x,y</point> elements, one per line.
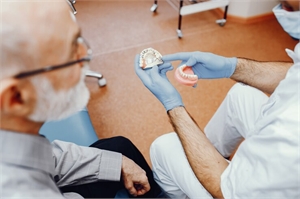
<point>76,165</point>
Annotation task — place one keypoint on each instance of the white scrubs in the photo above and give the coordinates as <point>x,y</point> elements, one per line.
<point>266,164</point>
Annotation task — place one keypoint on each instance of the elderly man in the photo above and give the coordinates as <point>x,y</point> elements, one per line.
<point>43,62</point>
<point>193,163</point>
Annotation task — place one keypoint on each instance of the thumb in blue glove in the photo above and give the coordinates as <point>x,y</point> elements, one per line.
<point>205,65</point>
<point>155,79</point>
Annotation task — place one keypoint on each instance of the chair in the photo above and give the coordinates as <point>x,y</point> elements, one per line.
<point>77,129</point>
<point>196,6</point>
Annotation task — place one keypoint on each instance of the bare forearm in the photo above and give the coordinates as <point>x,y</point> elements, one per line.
<point>205,160</point>
<point>264,76</point>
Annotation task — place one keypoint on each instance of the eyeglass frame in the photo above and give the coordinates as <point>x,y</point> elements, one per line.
<point>60,66</point>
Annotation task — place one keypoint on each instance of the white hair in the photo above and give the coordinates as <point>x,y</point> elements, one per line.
<point>56,105</point>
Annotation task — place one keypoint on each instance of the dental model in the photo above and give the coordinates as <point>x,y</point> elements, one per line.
<point>149,58</point>
<point>185,75</point>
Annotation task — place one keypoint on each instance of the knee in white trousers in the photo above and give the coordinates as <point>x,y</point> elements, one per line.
<point>235,118</point>
<point>172,171</point>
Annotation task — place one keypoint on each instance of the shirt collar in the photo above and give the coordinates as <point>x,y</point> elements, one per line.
<point>26,150</point>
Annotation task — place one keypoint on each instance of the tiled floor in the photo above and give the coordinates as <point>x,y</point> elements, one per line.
<point>118,30</point>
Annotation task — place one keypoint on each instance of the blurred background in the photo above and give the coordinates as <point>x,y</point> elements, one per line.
<point>118,30</point>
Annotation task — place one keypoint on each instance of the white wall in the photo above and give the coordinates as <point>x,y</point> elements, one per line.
<point>250,8</point>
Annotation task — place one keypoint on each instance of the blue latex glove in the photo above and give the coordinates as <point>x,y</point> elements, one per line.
<point>155,79</point>
<point>205,65</point>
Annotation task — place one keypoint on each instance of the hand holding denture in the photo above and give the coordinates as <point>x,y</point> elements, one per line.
<point>150,57</point>
<point>204,65</point>
<point>155,79</point>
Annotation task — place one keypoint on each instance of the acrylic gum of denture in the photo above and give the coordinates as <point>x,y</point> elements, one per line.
<point>185,75</point>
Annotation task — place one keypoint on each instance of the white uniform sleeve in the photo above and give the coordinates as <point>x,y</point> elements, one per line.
<point>80,165</point>
<point>266,165</point>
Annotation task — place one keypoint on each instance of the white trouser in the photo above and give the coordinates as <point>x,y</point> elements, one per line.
<point>229,125</point>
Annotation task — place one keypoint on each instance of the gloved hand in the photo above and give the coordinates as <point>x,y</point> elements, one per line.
<point>205,65</point>
<point>156,81</point>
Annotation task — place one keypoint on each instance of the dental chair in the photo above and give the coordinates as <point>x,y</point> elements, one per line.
<point>78,129</point>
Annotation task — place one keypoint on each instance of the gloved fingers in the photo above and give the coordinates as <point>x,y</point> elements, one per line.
<point>154,72</point>
<point>141,73</point>
<point>176,56</point>
<point>182,63</point>
<point>191,61</point>
<point>137,67</point>
<point>165,66</point>
<point>163,71</point>
<point>158,72</point>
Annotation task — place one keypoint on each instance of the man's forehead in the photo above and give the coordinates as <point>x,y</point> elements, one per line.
<point>27,5</point>
<point>41,30</point>
<point>35,13</point>
<point>43,18</point>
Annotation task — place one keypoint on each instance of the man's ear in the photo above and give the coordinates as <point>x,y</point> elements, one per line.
<point>14,97</point>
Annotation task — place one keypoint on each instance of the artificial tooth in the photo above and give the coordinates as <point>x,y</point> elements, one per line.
<point>185,75</point>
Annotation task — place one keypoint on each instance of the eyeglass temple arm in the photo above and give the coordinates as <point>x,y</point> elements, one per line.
<point>70,2</point>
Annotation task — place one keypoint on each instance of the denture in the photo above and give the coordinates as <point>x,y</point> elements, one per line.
<point>149,58</point>
<point>185,75</point>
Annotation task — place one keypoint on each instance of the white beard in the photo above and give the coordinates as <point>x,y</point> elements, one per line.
<point>56,105</point>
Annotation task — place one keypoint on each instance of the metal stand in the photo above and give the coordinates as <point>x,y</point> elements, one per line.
<point>154,6</point>
<point>179,33</point>
<point>101,79</point>
<point>197,7</point>
<point>222,22</point>
<point>71,2</point>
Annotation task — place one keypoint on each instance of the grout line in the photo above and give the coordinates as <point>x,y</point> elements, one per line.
<point>153,42</point>
<point>133,46</point>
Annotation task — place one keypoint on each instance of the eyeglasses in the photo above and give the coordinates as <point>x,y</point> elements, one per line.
<point>87,58</point>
